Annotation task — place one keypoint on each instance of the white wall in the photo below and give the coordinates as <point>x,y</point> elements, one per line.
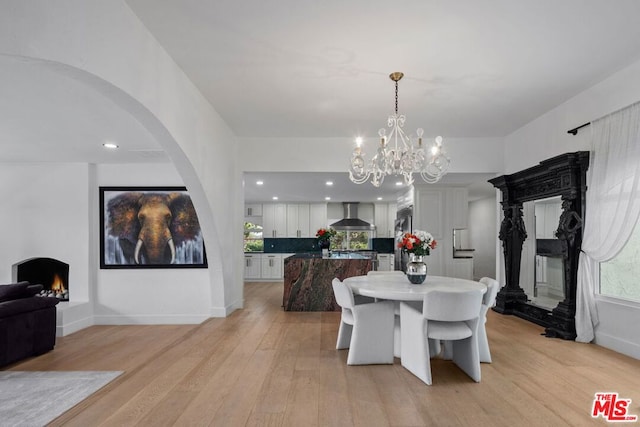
<point>105,46</point>
<point>161,296</point>
<point>546,137</point>
<point>482,237</point>
<point>45,213</point>
<point>51,210</point>
<point>470,155</point>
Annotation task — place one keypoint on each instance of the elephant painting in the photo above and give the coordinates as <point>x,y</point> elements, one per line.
<point>151,228</point>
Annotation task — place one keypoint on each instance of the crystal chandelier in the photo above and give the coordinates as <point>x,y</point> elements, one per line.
<point>402,157</point>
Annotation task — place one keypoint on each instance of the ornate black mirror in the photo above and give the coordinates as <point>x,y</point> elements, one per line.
<point>541,234</point>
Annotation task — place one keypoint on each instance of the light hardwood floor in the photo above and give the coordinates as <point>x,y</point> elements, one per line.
<point>264,366</point>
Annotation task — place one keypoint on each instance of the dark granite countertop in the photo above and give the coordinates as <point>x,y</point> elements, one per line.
<point>334,255</point>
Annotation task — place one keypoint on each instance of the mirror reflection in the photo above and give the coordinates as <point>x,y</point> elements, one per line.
<point>542,268</point>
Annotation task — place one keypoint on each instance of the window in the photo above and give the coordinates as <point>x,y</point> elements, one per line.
<point>619,277</point>
<point>351,240</point>
<point>253,237</point>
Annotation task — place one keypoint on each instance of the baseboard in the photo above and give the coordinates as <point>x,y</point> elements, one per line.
<point>627,348</point>
<point>75,326</point>
<point>73,316</point>
<point>151,319</point>
<point>227,310</point>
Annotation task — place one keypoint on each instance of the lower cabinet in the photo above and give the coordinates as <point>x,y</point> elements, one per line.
<point>463,268</point>
<point>252,266</point>
<point>386,262</point>
<point>272,266</point>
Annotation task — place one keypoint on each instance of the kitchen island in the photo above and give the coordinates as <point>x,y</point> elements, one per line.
<point>308,276</point>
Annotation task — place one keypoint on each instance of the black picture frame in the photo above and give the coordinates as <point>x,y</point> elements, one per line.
<point>149,227</point>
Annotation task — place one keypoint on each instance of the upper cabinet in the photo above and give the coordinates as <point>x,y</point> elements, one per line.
<point>428,211</point>
<point>298,220</point>
<point>440,210</point>
<point>385,219</point>
<point>274,220</point>
<point>253,209</point>
<point>317,217</point>
<point>459,207</point>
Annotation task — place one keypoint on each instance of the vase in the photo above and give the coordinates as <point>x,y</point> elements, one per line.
<point>416,270</point>
<point>324,244</point>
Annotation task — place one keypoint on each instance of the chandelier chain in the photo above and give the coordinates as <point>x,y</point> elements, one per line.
<point>396,97</point>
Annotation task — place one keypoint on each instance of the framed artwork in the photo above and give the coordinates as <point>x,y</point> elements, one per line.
<point>149,227</point>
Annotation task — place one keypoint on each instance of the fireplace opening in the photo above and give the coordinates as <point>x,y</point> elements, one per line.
<point>52,274</point>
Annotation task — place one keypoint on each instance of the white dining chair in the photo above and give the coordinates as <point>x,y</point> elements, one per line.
<point>446,316</point>
<point>365,329</point>
<point>488,301</point>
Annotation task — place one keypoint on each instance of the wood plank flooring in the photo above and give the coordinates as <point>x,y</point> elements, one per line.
<point>262,366</point>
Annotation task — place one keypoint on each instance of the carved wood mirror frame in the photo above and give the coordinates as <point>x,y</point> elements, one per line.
<point>563,176</point>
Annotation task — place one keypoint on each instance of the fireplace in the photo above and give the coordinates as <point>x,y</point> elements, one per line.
<point>52,274</point>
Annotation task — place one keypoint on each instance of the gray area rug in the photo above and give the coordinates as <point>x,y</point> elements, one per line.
<point>36,398</point>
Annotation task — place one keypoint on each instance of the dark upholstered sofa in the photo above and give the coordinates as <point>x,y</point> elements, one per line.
<point>27,322</point>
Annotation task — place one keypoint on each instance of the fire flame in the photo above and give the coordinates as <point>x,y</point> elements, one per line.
<point>58,285</point>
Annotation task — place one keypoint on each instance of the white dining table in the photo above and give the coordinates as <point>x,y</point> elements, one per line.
<point>398,288</point>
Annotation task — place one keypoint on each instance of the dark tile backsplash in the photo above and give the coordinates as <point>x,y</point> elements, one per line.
<point>291,245</point>
<point>310,244</point>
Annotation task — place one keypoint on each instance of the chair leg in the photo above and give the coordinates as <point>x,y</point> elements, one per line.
<point>414,346</point>
<point>396,336</point>
<point>344,336</point>
<point>466,355</point>
<point>483,344</point>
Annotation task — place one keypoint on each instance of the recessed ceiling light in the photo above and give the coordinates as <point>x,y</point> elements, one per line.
<point>399,183</point>
<point>110,145</point>
<point>329,183</point>
<point>379,198</point>
<point>327,198</point>
<point>275,197</point>
<point>259,182</point>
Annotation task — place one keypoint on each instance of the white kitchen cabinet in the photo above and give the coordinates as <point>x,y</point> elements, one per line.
<point>253,209</point>
<point>428,212</point>
<point>298,220</point>
<point>386,262</point>
<point>317,217</point>
<point>274,220</point>
<point>463,268</point>
<point>272,266</point>
<point>459,207</point>
<point>547,213</point>
<point>252,266</point>
<point>385,219</point>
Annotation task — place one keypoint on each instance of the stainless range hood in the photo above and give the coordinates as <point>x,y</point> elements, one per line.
<point>351,222</point>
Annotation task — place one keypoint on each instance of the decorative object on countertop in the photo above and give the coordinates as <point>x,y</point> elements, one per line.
<point>324,236</point>
<point>417,244</point>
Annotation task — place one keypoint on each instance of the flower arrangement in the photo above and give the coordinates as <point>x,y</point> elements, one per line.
<point>325,234</point>
<point>418,243</point>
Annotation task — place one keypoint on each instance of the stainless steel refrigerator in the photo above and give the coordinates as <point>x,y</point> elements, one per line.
<point>403,225</point>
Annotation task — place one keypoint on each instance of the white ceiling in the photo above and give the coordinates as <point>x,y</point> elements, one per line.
<point>311,187</point>
<point>46,116</point>
<point>308,68</point>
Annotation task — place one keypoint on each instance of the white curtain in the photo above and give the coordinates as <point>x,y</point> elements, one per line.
<point>612,205</point>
